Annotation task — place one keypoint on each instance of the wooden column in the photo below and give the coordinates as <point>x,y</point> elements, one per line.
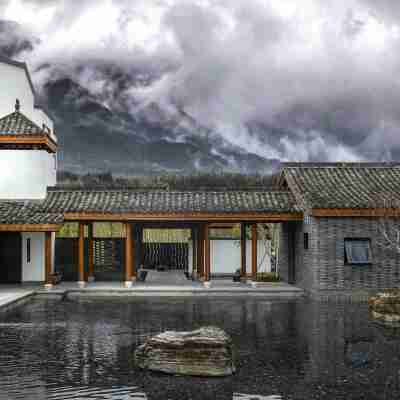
<point>194,251</point>
<point>200,259</point>
<point>207,260</point>
<point>254,251</point>
<point>243,250</point>
<point>90,253</point>
<point>128,255</point>
<point>47,259</point>
<point>81,255</point>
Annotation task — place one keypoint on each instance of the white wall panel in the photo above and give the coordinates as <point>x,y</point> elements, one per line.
<point>190,256</point>
<point>25,174</point>
<point>33,271</point>
<point>225,256</point>
<point>14,85</point>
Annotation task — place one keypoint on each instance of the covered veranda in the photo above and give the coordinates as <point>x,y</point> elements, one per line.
<point>197,211</point>
<point>199,225</point>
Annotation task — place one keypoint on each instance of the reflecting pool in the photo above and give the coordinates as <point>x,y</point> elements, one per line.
<point>69,349</point>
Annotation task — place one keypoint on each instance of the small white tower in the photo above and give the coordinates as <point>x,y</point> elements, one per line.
<point>28,164</point>
<point>28,145</point>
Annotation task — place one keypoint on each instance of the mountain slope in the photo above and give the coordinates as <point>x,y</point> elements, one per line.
<point>95,138</point>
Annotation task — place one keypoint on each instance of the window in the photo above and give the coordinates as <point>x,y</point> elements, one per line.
<point>357,251</point>
<point>28,250</point>
<point>305,240</point>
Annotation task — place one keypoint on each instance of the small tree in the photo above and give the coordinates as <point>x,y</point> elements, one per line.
<point>389,223</point>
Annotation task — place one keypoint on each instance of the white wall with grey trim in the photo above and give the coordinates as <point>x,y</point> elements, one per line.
<point>34,270</point>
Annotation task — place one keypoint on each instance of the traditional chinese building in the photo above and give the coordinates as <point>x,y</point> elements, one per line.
<point>329,216</point>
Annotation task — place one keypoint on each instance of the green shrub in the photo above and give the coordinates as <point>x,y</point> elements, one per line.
<point>267,277</point>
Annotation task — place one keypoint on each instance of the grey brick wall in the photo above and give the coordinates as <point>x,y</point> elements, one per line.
<point>283,255</point>
<point>322,269</point>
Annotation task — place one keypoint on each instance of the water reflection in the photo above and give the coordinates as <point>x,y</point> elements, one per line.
<point>96,393</point>
<point>287,350</point>
<point>241,396</point>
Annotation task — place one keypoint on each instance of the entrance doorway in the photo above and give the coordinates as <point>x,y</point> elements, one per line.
<point>10,257</point>
<point>167,249</point>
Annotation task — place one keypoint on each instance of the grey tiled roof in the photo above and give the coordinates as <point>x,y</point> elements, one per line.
<point>120,201</point>
<point>18,124</point>
<point>344,186</point>
<point>26,212</point>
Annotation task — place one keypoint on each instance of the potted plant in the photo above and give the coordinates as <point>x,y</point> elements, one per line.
<point>237,276</point>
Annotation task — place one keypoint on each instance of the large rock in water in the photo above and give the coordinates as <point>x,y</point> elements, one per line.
<point>385,307</point>
<point>207,351</point>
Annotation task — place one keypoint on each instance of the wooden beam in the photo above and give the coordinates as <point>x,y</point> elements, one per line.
<point>242,249</point>
<point>222,225</point>
<point>254,251</point>
<point>29,227</point>
<point>128,255</point>
<point>207,259</point>
<point>47,259</point>
<point>29,140</point>
<point>90,253</point>
<point>355,212</point>
<point>196,216</point>
<point>81,254</point>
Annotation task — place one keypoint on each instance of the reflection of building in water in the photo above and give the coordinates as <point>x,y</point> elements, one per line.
<point>289,349</point>
<point>241,396</point>
<point>116,392</point>
<point>346,350</point>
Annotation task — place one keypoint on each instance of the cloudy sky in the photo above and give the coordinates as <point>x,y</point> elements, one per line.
<point>288,79</point>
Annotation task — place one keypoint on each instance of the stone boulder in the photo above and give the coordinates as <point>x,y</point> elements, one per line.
<point>207,351</point>
<point>385,307</point>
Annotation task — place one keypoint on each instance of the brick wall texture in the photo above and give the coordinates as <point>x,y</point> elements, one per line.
<point>322,267</point>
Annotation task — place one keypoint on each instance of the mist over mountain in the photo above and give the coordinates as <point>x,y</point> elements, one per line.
<point>94,137</point>
<point>150,86</point>
<point>99,134</point>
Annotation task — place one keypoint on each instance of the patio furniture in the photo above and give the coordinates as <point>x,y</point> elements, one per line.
<point>56,278</point>
<point>142,275</point>
<point>236,276</point>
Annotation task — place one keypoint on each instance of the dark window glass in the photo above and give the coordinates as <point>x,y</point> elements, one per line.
<point>28,250</point>
<point>305,240</point>
<point>358,251</point>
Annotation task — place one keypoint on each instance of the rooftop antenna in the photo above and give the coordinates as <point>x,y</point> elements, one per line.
<point>17,105</point>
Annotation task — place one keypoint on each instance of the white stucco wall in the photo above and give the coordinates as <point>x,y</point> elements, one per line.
<point>34,271</point>
<point>190,256</point>
<point>225,256</point>
<point>25,174</point>
<point>14,84</point>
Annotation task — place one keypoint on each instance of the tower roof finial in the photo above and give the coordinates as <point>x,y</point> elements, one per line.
<point>17,105</point>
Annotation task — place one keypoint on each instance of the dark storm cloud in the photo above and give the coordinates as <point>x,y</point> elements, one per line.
<point>295,80</point>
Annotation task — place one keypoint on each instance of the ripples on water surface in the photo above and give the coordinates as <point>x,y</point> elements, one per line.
<point>287,350</point>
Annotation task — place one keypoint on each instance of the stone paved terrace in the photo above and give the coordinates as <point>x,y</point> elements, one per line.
<point>13,295</point>
<point>217,288</point>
